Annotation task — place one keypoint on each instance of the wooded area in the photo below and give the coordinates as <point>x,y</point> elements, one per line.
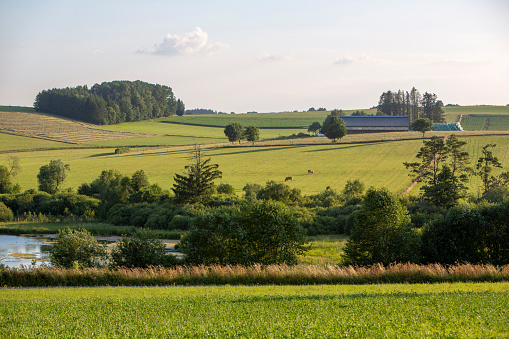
<point>109,103</point>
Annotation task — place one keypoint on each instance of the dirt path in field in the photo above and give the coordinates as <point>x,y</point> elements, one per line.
<point>416,181</point>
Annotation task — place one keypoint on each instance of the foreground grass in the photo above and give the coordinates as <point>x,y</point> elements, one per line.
<point>410,311</point>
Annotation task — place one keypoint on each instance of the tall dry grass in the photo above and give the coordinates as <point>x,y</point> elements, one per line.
<point>251,275</point>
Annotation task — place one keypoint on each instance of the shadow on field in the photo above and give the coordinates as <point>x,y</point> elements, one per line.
<point>100,155</point>
<point>339,147</point>
<point>257,149</point>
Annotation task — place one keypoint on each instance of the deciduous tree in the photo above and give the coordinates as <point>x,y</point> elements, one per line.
<point>52,176</point>
<point>422,125</point>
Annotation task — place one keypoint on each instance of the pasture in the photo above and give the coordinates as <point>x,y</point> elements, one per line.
<point>460,310</point>
<point>377,163</point>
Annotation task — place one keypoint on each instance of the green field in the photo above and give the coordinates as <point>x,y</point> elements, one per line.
<point>10,142</point>
<point>461,310</point>
<point>375,163</point>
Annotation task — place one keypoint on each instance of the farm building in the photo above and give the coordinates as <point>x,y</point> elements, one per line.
<point>376,124</point>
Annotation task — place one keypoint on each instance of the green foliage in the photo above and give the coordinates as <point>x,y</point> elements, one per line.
<point>52,176</point>
<point>234,132</point>
<point>5,213</point>
<point>141,250</point>
<point>474,234</point>
<point>334,127</point>
<point>252,133</point>
<point>381,232</point>
<point>263,232</point>
<point>224,188</point>
<point>76,248</point>
<point>315,127</point>
<point>279,192</point>
<point>353,189</point>
<point>251,190</point>
<point>443,169</point>
<point>484,167</point>
<point>198,183</point>
<point>181,108</point>
<point>109,103</point>
<point>422,125</point>
<point>6,183</point>
<point>122,150</point>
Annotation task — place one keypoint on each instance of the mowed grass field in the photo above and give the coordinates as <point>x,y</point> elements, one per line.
<point>460,310</point>
<point>376,163</point>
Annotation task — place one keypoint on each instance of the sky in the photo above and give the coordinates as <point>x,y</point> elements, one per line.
<point>263,56</point>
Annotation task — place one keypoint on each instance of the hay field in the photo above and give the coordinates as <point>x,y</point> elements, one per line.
<point>48,127</point>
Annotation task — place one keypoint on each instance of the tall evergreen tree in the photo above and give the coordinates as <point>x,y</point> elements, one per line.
<point>197,184</point>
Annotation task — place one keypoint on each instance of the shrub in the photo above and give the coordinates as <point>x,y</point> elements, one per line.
<point>279,192</point>
<point>381,232</point>
<point>141,250</point>
<point>122,150</point>
<point>5,213</point>
<point>263,232</point>
<point>224,188</point>
<point>474,234</point>
<point>76,247</point>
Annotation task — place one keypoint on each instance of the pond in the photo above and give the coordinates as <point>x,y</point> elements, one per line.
<point>18,250</point>
<point>23,250</point>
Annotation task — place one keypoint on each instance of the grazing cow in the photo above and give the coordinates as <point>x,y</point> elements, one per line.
<point>288,178</point>
<point>311,171</point>
<point>328,188</point>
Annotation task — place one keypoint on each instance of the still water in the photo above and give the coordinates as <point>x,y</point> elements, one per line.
<point>24,250</point>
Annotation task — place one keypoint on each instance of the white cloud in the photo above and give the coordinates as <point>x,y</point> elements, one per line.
<point>346,60</point>
<point>192,42</point>
<point>275,57</point>
<point>97,52</point>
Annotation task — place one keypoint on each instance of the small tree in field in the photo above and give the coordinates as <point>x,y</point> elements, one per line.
<point>234,132</point>
<point>52,176</point>
<point>252,133</point>
<point>334,127</point>
<point>197,184</point>
<point>314,127</point>
<point>422,125</point>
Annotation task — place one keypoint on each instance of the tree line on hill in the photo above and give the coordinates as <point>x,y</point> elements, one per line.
<point>411,104</point>
<point>268,223</point>
<point>110,102</point>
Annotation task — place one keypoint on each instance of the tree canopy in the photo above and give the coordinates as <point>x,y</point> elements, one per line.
<point>334,127</point>
<point>110,102</point>
<point>52,176</point>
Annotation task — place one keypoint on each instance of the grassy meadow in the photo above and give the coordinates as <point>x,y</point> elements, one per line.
<point>377,163</point>
<point>459,310</point>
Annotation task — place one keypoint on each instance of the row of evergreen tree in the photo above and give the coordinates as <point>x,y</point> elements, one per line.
<point>109,103</point>
<point>411,104</point>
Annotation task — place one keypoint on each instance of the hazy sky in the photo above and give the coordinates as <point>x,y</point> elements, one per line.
<point>265,56</point>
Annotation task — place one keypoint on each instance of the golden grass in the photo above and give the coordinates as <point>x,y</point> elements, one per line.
<point>253,275</point>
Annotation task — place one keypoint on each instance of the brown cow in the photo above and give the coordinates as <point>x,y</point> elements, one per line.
<point>311,171</point>
<point>328,188</point>
<point>288,178</point>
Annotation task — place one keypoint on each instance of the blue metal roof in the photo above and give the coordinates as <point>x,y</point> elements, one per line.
<point>376,121</point>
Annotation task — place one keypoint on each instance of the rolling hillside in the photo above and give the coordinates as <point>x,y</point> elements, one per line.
<point>160,149</point>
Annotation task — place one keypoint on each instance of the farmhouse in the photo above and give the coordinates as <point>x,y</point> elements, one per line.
<point>376,124</point>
